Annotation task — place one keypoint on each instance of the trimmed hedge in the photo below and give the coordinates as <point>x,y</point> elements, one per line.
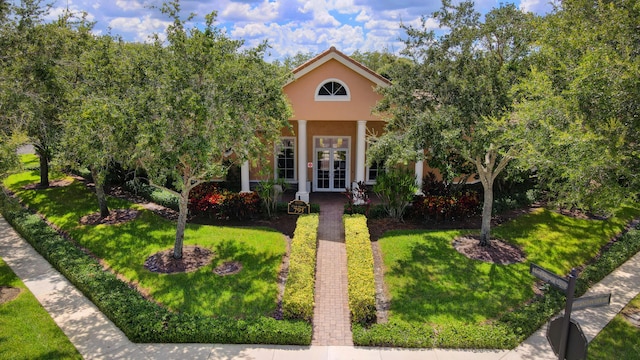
<point>141,320</point>
<point>298,299</point>
<point>153,194</point>
<point>619,252</point>
<point>411,335</point>
<point>360,274</point>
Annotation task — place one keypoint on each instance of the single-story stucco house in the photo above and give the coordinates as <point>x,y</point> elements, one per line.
<point>332,97</point>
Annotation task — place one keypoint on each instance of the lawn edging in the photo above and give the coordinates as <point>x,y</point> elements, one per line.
<point>140,319</point>
<point>298,299</point>
<point>360,273</point>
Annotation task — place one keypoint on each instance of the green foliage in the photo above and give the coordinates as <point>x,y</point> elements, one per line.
<point>204,96</point>
<point>614,256</point>
<point>153,194</point>
<point>361,289</point>
<point>38,63</point>
<point>298,299</point>
<point>450,105</point>
<point>9,143</point>
<point>376,211</point>
<point>396,187</point>
<point>28,332</point>
<point>142,320</point>
<point>435,304</point>
<point>411,335</point>
<point>270,191</point>
<point>583,95</point>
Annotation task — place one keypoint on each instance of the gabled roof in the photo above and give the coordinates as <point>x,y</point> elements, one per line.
<point>333,54</point>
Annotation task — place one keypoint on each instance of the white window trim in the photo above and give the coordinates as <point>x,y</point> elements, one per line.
<point>332,97</point>
<point>295,155</point>
<point>368,181</point>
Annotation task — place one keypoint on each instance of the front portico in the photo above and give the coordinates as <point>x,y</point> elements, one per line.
<point>324,150</point>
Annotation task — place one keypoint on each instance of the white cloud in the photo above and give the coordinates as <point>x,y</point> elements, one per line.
<point>320,13</point>
<point>265,11</point>
<point>537,6</point>
<point>129,5</point>
<point>142,28</point>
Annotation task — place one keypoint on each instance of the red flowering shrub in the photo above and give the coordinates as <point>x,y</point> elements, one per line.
<point>211,200</point>
<point>446,207</point>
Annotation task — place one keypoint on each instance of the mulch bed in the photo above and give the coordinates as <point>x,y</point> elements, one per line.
<point>8,293</point>
<point>497,252</point>
<point>228,268</point>
<point>193,258</point>
<point>117,216</point>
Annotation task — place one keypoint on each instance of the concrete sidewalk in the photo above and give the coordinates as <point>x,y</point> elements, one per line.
<point>96,337</point>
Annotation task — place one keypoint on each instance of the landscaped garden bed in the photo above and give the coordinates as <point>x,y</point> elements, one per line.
<point>197,306</point>
<point>438,297</point>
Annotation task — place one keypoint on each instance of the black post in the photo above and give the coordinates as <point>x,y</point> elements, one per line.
<point>564,337</point>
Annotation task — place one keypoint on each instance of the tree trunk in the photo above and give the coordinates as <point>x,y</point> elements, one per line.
<point>102,198</point>
<point>182,222</point>
<point>44,168</point>
<point>487,207</point>
<point>487,171</point>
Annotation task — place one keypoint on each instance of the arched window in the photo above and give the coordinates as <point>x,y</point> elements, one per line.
<point>332,90</point>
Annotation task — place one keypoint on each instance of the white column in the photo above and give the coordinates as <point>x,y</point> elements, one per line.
<point>244,177</point>
<point>303,193</point>
<point>360,150</point>
<point>419,175</point>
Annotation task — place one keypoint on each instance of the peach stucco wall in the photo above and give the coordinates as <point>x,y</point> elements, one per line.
<point>301,94</point>
<point>329,118</point>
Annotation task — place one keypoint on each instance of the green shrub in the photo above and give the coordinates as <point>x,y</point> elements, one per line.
<point>376,211</point>
<point>396,188</point>
<point>418,335</point>
<point>141,320</point>
<point>362,294</point>
<point>153,194</point>
<point>619,252</point>
<point>298,299</point>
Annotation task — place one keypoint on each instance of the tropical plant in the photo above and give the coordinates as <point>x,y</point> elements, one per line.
<point>396,187</point>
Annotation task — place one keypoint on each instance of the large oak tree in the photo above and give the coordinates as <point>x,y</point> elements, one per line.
<point>452,102</point>
<point>206,98</point>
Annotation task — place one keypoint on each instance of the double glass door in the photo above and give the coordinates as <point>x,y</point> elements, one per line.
<point>332,163</point>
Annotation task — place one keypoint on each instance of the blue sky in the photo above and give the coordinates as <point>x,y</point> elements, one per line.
<point>290,26</point>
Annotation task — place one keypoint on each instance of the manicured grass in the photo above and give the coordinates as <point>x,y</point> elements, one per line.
<point>559,242</point>
<point>26,329</point>
<point>438,290</point>
<point>619,337</point>
<point>430,282</point>
<point>124,248</point>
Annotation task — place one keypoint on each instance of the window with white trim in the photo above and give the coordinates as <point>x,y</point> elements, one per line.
<point>373,170</point>
<point>285,164</point>
<point>332,90</point>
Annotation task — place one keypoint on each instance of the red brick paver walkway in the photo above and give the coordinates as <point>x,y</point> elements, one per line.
<point>331,323</point>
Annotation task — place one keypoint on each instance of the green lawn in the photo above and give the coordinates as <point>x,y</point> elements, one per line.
<point>124,248</point>
<point>431,283</point>
<point>619,337</point>
<point>26,329</point>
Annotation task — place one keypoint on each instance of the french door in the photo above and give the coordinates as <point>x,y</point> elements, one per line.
<point>332,163</point>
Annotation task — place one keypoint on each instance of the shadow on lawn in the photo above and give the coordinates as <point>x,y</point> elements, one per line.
<point>249,293</point>
<point>442,286</point>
